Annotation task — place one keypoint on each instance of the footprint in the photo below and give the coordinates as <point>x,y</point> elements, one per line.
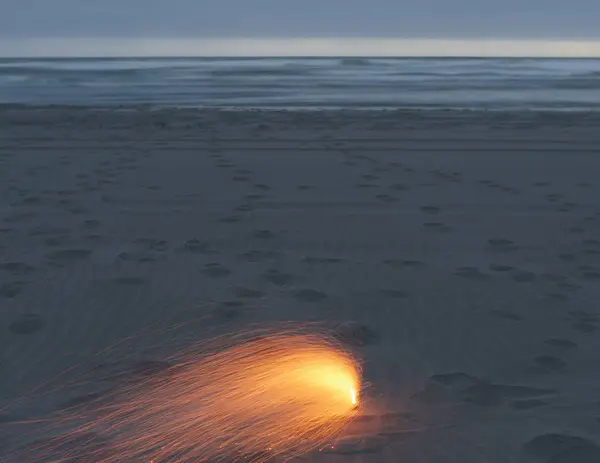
<point>67,256</point>
<point>561,343</point>
<point>523,276</point>
<point>507,315</point>
<point>500,268</point>
<point>77,210</point>
<point>255,197</point>
<point>91,224</point>
<point>278,278</point>
<point>585,327</point>
<point>244,208</point>
<point>528,404</point>
<point>591,252</point>
<point>17,268</point>
<point>12,290</point>
<point>31,200</point>
<point>322,260</point>
<point>399,187</point>
<point>431,209</point>
<point>356,334</point>
<point>591,243</point>
<point>18,217</point>
<point>386,198</point>
<point>365,185</point>
<point>309,295</point>
<point>231,219</point>
<point>257,255</point>
<point>66,192</point>
<point>554,278</point>
<point>263,234</point>
<point>502,244</point>
<point>550,364</point>
<point>395,293</point>
<point>584,316</point>
<point>470,389</point>
<point>127,281</point>
<point>229,310</point>
<point>95,237</point>
<point>471,273</point>
<point>248,293</point>
<point>438,226</point>
<point>195,245</point>
<point>152,244</point>
<point>216,270</point>
<point>592,276</point>
<point>126,256</point>
<point>568,286</point>
<point>404,262</point>
<point>54,241</point>
<point>370,177</point>
<point>27,324</point>
<point>562,448</point>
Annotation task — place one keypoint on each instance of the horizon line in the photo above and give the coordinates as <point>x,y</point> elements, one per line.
<point>316,57</point>
<point>312,47</point>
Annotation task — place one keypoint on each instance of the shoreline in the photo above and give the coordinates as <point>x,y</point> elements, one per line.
<point>409,118</point>
<point>295,109</point>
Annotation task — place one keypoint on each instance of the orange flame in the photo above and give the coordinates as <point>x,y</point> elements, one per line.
<point>278,395</point>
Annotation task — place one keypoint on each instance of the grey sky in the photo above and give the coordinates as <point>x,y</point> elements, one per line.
<point>555,19</point>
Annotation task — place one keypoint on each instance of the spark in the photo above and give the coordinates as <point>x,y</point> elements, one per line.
<point>253,397</point>
<point>353,396</point>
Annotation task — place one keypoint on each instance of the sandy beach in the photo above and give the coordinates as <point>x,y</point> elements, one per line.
<point>464,247</point>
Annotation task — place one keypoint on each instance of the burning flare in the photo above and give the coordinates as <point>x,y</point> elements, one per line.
<point>279,394</point>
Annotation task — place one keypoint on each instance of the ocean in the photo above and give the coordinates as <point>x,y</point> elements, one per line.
<point>297,83</point>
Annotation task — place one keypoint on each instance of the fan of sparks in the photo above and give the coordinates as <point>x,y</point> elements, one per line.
<point>275,395</point>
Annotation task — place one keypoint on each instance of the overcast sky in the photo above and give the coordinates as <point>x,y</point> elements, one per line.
<point>400,19</point>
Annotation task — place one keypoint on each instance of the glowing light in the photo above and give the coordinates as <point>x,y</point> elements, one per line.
<point>277,394</point>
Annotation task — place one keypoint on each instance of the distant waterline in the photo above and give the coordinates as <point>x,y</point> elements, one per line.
<point>459,83</point>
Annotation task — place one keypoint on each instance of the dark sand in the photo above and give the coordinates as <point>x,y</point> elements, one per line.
<point>464,247</point>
